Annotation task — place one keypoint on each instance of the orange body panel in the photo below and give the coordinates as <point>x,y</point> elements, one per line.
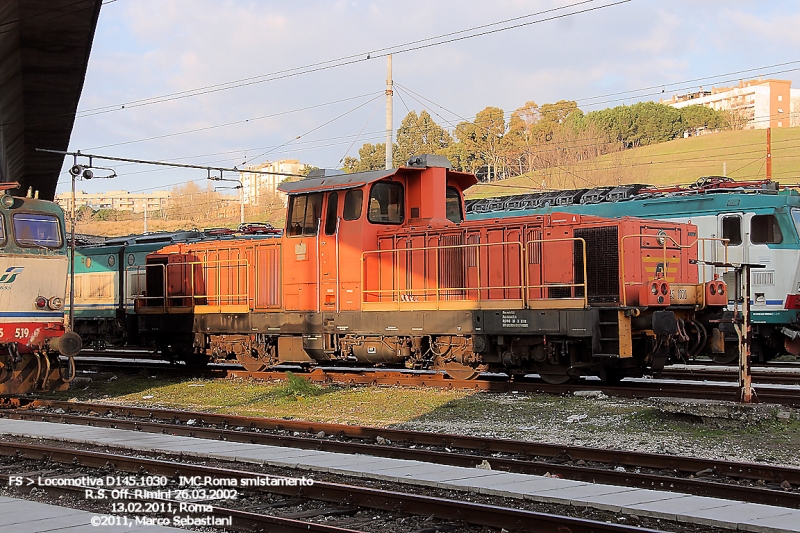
<point>335,264</point>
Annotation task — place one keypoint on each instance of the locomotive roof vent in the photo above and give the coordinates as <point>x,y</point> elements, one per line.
<point>324,173</point>
<point>429,160</point>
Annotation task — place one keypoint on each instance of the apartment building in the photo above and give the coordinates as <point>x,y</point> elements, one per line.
<point>760,104</point>
<point>259,187</point>
<point>118,200</point>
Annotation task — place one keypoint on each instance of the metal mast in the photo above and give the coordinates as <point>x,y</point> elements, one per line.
<point>389,112</point>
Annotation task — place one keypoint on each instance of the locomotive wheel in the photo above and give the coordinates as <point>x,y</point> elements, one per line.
<point>792,346</point>
<point>553,374</point>
<point>459,371</point>
<point>249,362</point>
<point>730,355</point>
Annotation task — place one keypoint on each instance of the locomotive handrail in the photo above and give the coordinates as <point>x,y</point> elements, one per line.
<point>194,296</point>
<point>528,286</point>
<point>663,244</point>
<point>410,294</point>
<point>137,270</point>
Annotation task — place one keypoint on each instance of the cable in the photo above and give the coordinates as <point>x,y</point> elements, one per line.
<point>243,121</point>
<point>313,129</point>
<point>351,59</point>
<point>357,136</point>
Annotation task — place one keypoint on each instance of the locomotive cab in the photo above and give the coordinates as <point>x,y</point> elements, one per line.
<point>333,218</point>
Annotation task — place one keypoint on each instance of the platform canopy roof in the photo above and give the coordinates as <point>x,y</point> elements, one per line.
<point>44,52</point>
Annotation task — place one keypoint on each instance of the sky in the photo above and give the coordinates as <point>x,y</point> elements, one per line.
<point>229,83</point>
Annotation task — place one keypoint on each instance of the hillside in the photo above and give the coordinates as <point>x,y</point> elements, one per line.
<point>680,161</point>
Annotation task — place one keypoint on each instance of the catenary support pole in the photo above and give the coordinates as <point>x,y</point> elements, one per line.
<point>389,126</point>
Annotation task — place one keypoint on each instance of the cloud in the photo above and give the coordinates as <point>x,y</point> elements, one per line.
<point>156,47</point>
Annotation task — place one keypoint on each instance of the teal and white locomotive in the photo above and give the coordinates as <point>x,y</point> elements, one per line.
<point>759,220</point>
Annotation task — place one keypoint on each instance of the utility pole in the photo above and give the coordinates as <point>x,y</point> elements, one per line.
<point>389,126</point>
<point>241,203</point>
<point>145,215</point>
<point>769,154</point>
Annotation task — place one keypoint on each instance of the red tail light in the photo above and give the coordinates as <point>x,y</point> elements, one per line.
<point>715,293</point>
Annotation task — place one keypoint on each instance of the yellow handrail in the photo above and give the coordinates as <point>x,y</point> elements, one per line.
<point>528,286</point>
<point>425,291</point>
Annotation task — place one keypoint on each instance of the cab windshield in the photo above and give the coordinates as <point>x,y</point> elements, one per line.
<point>796,219</point>
<point>36,230</point>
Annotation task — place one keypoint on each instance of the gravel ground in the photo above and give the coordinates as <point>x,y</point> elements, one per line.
<point>763,433</point>
<point>718,430</point>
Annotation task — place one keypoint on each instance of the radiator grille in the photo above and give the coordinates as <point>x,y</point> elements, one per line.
<point>451,265</point>
<point>764,277</point>
<point>602,263</point>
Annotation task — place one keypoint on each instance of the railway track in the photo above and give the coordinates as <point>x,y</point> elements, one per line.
<point>274,507</point>
<point>748,482</point>
<point>683,383</point>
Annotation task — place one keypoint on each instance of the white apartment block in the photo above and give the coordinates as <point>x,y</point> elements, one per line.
<point>118,200</point>
<point>761,103</point>
<point>258,187</point>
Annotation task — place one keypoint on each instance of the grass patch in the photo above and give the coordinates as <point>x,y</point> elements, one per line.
<point>680,161</point>
<point>296,388</point>
<point>295,398</point>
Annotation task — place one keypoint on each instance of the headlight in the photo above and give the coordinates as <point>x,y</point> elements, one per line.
<point>721,289</point>
<point>55,303</point>
<point>654,288</point>
<point>664,289</point>
<point>7,200</point>
<point>712,289</point>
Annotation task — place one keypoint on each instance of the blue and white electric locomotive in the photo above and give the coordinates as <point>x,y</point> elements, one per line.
<point>33,280</point>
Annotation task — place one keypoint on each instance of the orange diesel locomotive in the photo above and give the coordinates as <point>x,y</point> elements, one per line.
<point>380,268</point>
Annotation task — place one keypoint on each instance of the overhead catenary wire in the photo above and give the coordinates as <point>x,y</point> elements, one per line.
<point>232,123</point>
<point>418,44</point>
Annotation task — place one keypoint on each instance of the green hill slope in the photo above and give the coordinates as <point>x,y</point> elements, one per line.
<point>682,161</point>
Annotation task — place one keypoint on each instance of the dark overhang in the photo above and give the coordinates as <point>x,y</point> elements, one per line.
<point>44,52</point>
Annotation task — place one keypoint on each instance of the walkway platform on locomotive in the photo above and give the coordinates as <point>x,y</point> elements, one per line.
<point>626,500</point>
<point>24,516</point>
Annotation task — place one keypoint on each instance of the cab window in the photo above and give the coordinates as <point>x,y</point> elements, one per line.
<point>453,206</point>
<point>330,216</point>
<point>796,219</point>
<point>352,204</point>
<point>304,214</point>
<point>2,230</point>
<point>386,203</point>
<point>764,229</point>
<point>36,230</point>
<point>732,230</point>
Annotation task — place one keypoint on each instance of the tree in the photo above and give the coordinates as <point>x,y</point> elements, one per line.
<point>107,214</point>
<point>480,143</point>
<point>639,124</point>
<point>84,213</point>
<point>697,117</point>
<point>191,202</point>
<point>520,140</point>
<point>371,157</point>
<point>419,134</point>
<point>737,118</point>
<point>306,169</point>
